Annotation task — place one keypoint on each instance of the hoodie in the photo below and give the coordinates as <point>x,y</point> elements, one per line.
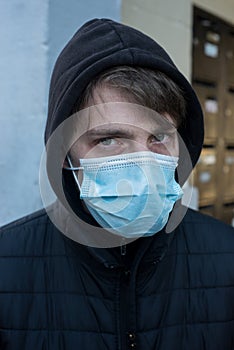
<point>98,45</point>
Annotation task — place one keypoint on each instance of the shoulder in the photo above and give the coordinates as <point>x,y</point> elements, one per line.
<point>196,216</point>
<point>203,232</point>
<point>26,221</point>
<point>29,235</point>
<point>198,219</point>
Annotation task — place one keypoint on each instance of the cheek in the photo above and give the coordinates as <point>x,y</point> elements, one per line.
<point>79,175</point>
<point>170,148</point>
<point>176,147</point>
<point>79,150</point>
<point>173,146</point>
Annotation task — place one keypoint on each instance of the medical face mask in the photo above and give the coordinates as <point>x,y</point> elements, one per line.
<point>132,194</point>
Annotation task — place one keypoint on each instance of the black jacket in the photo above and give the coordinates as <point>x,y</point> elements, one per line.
<point>169,292</point>
<point>166,292</point>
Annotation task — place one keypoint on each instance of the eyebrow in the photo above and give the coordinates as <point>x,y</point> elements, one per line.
<point>125,133</point>
<point>109,132</point>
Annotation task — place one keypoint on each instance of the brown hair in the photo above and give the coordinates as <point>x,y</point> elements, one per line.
<point>144,86</point>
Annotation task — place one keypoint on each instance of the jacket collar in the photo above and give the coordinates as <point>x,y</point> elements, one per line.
<point>81,237</point>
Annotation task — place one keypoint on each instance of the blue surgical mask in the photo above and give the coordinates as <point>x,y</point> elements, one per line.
<point>131,194</point>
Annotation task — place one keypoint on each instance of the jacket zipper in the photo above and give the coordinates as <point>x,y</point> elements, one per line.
<point>123,248</point>
<point>124,303</point>
<point>127,336</point>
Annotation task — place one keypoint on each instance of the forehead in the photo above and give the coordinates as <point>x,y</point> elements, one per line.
<point>108,105</point>
<point>122,116</point>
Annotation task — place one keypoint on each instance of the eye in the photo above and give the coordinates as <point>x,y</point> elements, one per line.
<point>107,141</point>
<point>160,137</point>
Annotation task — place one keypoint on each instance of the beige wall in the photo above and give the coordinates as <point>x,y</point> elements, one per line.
<point>221,8</point>
<point>170,23</point>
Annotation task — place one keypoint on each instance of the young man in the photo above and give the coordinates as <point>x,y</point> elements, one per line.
<point>118,262</point>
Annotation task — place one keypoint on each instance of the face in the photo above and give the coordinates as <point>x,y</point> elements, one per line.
<point>115,126</point>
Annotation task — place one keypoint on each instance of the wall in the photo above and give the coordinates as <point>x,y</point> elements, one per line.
<point>223,9</point>
<point>32,34</point>
<point>170,23</point>
<point>65,17</point>
<point>167,21</point>
<point>23,27</point>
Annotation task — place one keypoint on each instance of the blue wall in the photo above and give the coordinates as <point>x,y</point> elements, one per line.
<point>32,35</point>
<point>23,67</point>
<point>65,17</point>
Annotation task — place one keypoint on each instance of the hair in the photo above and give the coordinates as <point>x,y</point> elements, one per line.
<point>144,86</point>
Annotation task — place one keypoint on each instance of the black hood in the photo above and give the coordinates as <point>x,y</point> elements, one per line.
<point>101,44</point>
<point>98,45</point>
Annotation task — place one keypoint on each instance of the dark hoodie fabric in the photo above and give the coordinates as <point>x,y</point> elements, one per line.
<point>96,46</point>
<point>169,291</point>
<point>101,44</point>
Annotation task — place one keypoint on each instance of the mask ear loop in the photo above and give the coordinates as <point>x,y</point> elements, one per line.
<point>73,169</point>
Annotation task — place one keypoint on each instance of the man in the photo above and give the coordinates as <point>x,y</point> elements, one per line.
<point>117,262</point>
